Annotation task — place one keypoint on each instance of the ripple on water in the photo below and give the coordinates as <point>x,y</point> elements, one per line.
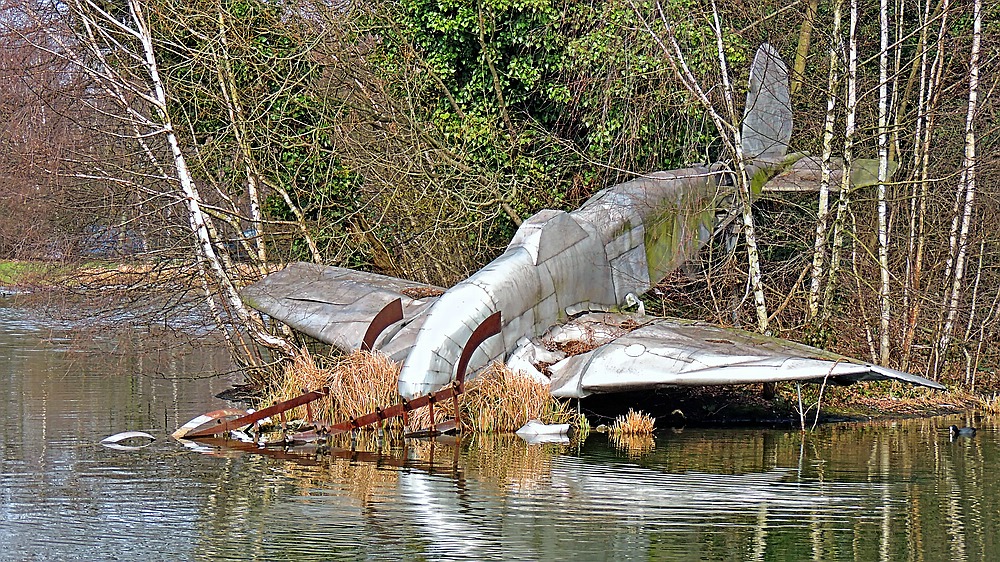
<point>711,494</point>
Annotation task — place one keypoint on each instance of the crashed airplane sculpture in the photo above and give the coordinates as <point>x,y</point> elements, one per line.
<point>564,276</point>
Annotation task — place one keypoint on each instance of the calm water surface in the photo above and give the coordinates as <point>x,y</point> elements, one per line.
<point>882,491</point>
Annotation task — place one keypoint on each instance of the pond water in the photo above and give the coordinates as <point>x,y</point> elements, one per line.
<point>894,490</point>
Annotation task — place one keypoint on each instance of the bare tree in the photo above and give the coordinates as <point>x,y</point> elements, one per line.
<point>883,175</point>
<point>823,205</point>
<point>965,193</point>
<point>117,53</point>
<point>728,126</point>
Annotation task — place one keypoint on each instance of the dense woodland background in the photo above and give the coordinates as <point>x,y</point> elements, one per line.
<point>207,142</point>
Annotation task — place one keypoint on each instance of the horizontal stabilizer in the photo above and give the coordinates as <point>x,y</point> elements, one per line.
<point>333,304</point>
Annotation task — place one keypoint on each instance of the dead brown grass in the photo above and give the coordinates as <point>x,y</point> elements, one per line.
<point>500,400</point>
<point>497,401</point>
<point>358,383</point>
<point>633,423</point>
<point>990,404</point>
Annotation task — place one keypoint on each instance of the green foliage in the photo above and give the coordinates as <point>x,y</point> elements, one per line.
<point>247,86</point>
<point>548,101</point>
<point>535,104</point>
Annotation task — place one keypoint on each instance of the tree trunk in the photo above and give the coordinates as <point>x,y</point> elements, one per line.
<point>197,219</point>
<point>923,138</point>
<point>802,50</point>
<point>823,206</point>
<point>966,192</point>
<point>883,174</point>
<point>845,187</point>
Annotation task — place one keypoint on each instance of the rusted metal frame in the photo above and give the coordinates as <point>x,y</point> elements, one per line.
<point>394,411</point>
<point>203,419</point>
<point>389,315</point>
<point>430,412</point>
<point>277,409</point>
<point>488,328</point>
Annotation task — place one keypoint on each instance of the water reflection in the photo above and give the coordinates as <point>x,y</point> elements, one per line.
<point>875,491</point>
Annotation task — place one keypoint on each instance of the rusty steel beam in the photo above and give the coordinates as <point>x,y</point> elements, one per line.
<point>487,329</point>
<point>394,411</point>
<point>389,315</point>
<point>278,408</point>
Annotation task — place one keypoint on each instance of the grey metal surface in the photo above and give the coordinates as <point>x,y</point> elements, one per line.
<point>335,305</point>
<point>620,241</point>
<point>671,352</point>
<point>767,117</point>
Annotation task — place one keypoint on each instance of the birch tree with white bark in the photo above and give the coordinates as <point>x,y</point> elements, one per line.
<point>116,51</point>
<point>885,307</point>
<point>965,194</point>
<point>850,125</point>
<point>726,122</point>
<point>823,204</point>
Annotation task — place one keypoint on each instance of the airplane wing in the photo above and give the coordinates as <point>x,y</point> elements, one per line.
<point>626,352</point>
<point>335,305</point>
<point>666,352</point>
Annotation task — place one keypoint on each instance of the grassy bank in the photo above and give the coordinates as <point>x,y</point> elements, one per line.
<point>25,273</point>
<point>33,274</point>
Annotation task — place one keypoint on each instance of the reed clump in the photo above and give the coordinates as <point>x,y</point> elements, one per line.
<point>990,404</point>
<point>359,382</point>
<point>633,423</point>
<point>498,400</point>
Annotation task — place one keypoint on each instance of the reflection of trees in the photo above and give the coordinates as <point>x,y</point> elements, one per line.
<point>856,491</point>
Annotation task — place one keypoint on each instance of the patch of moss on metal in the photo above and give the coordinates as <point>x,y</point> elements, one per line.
<point>671,240</point>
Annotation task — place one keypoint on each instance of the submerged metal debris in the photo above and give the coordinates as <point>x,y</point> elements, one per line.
<point>128,440</point>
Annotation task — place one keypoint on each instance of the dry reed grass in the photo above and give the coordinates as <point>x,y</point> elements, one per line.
<point>497,401</point>
<point>633,445</point>
<point>359,382</point>
<point>500,400</point>
<point>633,423</point>
<point>990,404</point>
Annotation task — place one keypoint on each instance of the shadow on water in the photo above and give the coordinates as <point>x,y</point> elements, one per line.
<point>875,491</point>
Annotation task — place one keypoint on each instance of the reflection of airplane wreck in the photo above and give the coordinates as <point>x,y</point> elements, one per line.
<point>565,273</point>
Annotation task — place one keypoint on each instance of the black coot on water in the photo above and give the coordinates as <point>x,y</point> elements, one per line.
<point>956,431</point>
